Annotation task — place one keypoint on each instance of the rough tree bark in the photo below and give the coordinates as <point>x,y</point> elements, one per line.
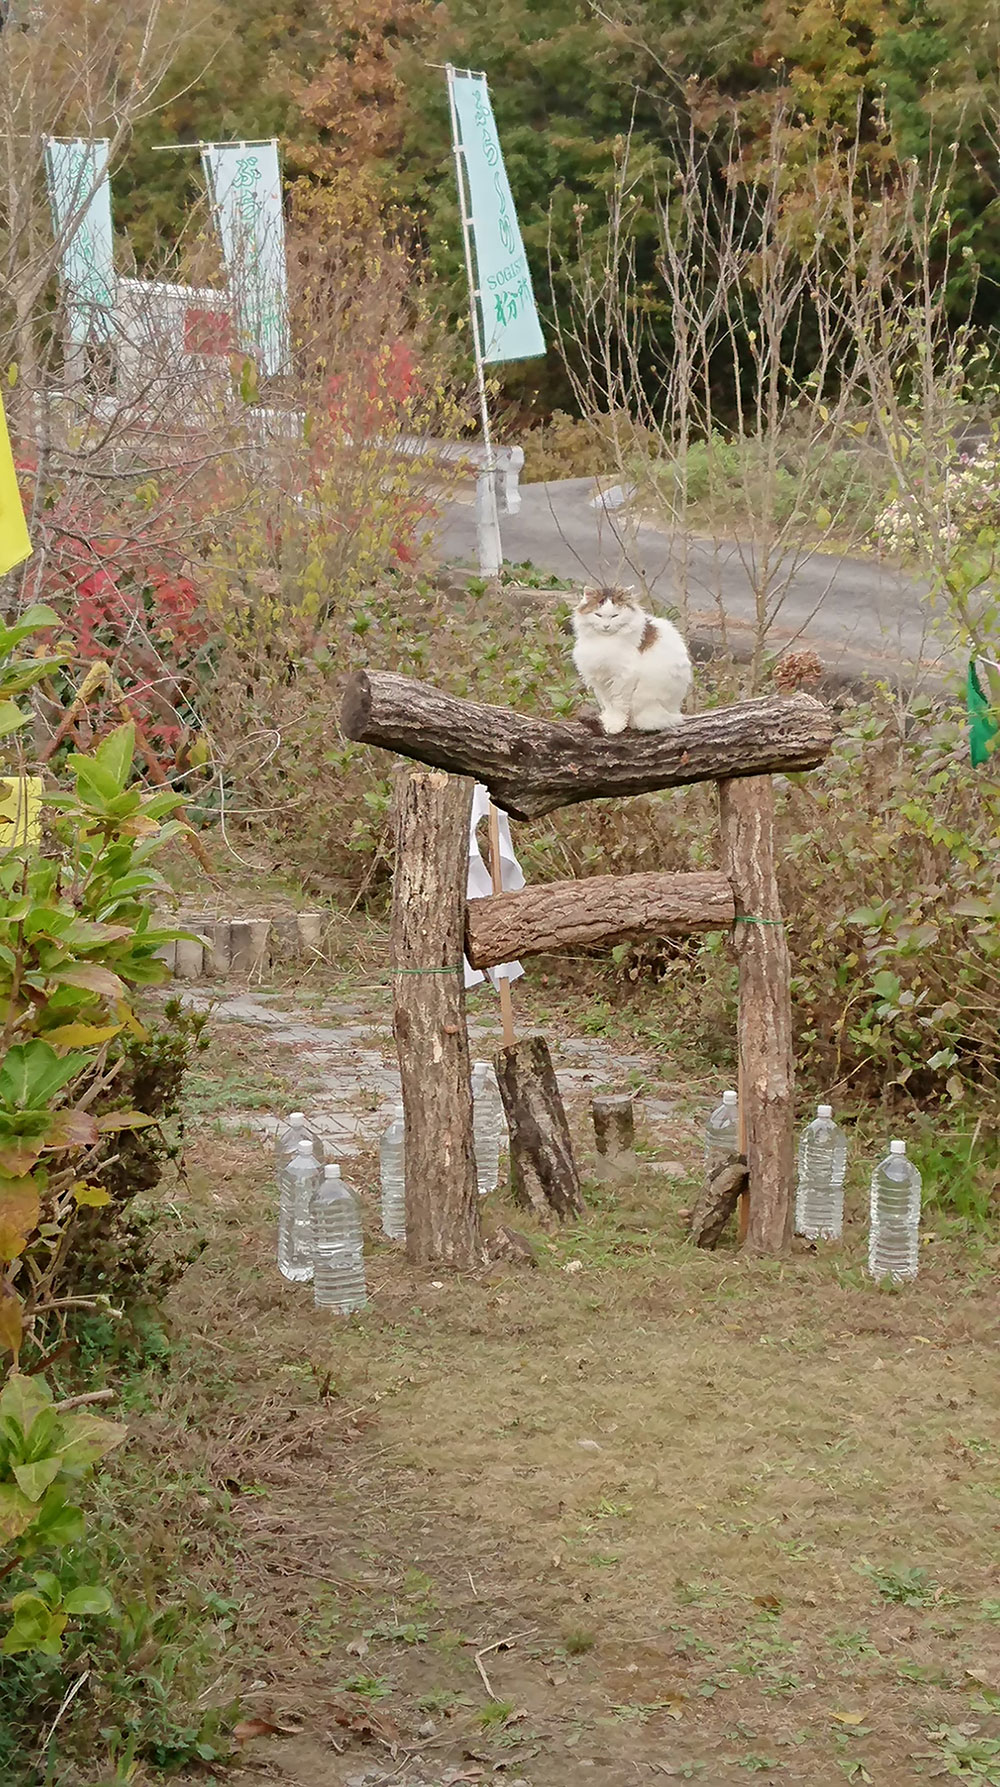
<point>746,809</point>
<point>543,1175</point>
<point>717,1201</point>
<point>428,905</point>
<point>531,767</point>
<point>614,1135</point>
<point>503,927</point>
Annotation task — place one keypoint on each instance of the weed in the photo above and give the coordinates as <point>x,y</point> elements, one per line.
<point>494,1714</point>
<point>906,1588</point>
<point>367,1687</point>
<point>577,1641</point>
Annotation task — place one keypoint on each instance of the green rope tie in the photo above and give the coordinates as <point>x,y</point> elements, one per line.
<point>747,918</point>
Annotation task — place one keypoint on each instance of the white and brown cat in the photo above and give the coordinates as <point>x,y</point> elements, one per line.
<point>635,664</point>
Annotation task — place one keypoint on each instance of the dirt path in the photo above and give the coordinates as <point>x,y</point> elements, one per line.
<point>635,1514</point>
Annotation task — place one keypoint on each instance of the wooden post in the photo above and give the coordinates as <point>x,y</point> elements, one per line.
<point>428,920</point>
<point>746,809</point>
<point>543,1175</point>
<point>614,1135</point>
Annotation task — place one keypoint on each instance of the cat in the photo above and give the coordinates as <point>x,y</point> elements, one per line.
<point>636,666</point>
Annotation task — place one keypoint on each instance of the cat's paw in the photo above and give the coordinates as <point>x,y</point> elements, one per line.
<point>658,719</point>
<point>614,723</point>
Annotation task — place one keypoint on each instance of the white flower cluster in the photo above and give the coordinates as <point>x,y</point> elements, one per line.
<point>966,503</point>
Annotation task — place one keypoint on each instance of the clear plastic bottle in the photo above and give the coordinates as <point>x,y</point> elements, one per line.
<point>894,1238</point>
<point>819,1199</point>
<point>392,1166</point>
<point>489,1126</point>
<point>288,1137</point>
<point>339,1277</point>
<point>297,1183</point>
<point>722,1132</point>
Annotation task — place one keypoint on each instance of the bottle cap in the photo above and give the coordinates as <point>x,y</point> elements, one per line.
<point>824,1110</point>
<point>897,1147</point>
<point>305,1146</point>
<point>730,1098</point>
<point>332,1171</point>
<point>296,1119</point>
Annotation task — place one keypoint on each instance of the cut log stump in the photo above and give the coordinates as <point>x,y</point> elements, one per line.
<point>614,1135</point>
<point>543,1173</point>
<point>723,1190</point>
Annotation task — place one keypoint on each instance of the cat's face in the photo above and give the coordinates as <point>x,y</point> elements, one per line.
<point>608,610</point>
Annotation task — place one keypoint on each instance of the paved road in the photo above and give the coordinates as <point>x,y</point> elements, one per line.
<point>857,614</point>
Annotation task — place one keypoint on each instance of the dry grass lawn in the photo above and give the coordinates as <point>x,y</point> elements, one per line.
<point>639,1512</point>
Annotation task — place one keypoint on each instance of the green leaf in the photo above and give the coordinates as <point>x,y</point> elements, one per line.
<point>93,1599</point>
<point>115,754</point>
<point>11,718</point>
<point>49,1587</point>
<point>32,1073</point>
<point>34,1479</point>
<point>93,777</point>
<point>89,1438</point>
<point>58,1522</point>
<point>16,1512</point>
<point>22,1398</point>
<point>36,619</point>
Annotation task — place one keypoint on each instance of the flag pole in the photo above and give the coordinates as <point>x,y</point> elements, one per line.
<point>487,520</point>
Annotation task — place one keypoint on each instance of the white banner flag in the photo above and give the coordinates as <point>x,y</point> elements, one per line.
<point>80,199</point>
<point>244,181</point>
<point>481,881</point>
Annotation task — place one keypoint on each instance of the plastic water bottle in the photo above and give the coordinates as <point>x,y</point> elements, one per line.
<point>287,1139</point>
<point>392,1165</point>
<point>297,1183</point>
<point>339,1277</point>
<point>722,1132</point>
<point>819,1200</point>
<point>488,1125</point>
<point>894,1238</point>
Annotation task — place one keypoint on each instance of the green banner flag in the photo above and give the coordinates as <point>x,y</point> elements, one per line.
<point>982,726</point>
<point>511,330</point>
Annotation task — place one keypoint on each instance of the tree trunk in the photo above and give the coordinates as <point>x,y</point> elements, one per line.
<point>503,927</point>
<point>543,1173</point>
<point>531,767</point>
<point>428,907</point>
<point>614,1135</point>
<point>765,1010</point>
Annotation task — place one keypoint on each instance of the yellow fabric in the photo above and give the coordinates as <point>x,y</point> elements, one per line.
<point>20,811</point>
<point>14,542</point>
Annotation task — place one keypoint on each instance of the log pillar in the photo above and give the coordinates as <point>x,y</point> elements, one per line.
<point>746,809</point>
<point>432,814</point>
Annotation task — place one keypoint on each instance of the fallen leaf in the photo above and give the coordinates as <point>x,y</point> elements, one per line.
<point>359,1648</point>
<point>848,1718</point>
<point>259,1727</point>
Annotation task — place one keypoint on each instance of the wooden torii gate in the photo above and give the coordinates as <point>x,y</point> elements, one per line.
<point>532,767</point>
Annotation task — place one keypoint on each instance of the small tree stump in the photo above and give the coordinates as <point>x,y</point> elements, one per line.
<point>428,918</point>
<point>723,1190</point>
<point>614,1134</point>
<point>217,948</point>
<point>543,1175</point>
<point>249,946</point>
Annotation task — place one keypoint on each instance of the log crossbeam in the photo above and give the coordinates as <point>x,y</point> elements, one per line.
<point>532,767</point>
<point>600,909</point>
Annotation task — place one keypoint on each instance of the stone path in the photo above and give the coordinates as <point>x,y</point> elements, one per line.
<point>355,1059</point>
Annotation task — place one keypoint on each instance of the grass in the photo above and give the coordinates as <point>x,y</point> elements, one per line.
<point>689,1512</point>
